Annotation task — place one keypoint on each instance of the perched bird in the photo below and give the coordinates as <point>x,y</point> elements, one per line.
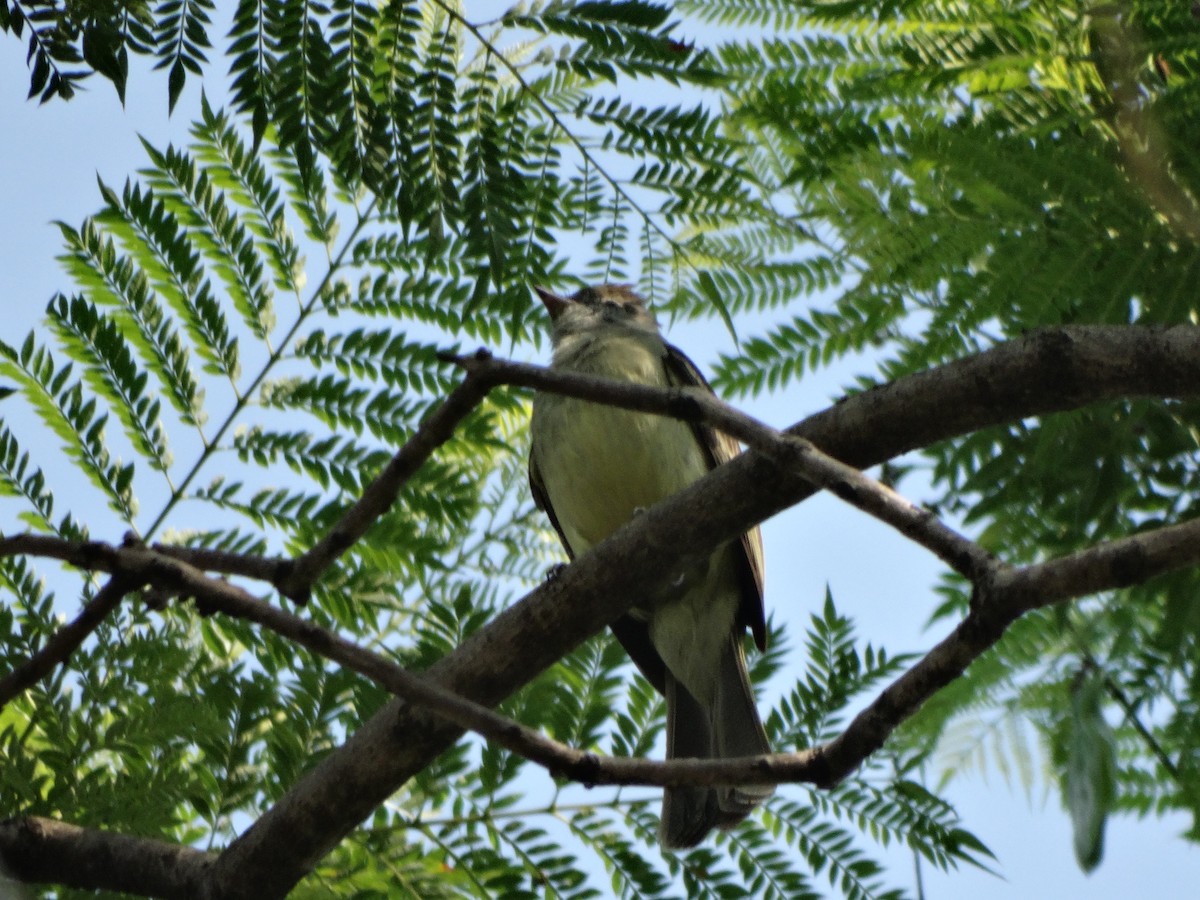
<point>592,469</point>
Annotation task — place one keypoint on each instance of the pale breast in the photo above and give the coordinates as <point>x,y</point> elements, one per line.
<point>600,464</point>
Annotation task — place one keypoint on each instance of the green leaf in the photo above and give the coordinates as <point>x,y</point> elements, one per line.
<point>1091,768</point>
<point>709,287</point>
<point>175,82</point>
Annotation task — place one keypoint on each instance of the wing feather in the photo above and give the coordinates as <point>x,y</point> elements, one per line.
<point>720,448</point>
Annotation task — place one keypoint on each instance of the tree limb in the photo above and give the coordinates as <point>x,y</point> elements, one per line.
<point>138,565</point>
<point>46,850</point>
<point>296,580</point>
<point>1000,600</point>
<point>1003,595</point>
<point>1047,371</point>
<point>294,577</point>
<point>691,404</point>
<point>63,642</point>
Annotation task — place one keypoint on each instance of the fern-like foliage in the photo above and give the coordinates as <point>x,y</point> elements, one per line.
<point>252,330</point>
<point>968,173</point>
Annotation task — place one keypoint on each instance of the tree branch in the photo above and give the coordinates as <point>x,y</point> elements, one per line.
<point>1113,564</point>
<point>296,580</point>
<point>1118,52</point>
<point>697,405</point>
<point>45,850</point>
<point>1003,596</point>
<point>64,642</point>
<point>1047,371</point>
<point>158,869</point>
<point>269,569</point>
<point>1000,600</point>
<point>137,565</point>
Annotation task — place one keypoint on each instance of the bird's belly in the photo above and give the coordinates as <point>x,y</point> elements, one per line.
<point>608,464</point>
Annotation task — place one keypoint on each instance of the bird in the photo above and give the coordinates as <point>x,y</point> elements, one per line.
<point>592,468</point>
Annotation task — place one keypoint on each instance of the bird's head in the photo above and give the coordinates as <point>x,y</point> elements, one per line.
<point>600,306</point>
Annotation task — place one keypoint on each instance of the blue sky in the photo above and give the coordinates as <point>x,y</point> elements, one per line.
<point>49,161</point>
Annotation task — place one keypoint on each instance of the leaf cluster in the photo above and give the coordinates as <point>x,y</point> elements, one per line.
<point>253,327</point>
<point>969,172</point>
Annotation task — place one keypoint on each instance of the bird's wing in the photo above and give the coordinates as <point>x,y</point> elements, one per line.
<point>542,501</point>
<point>632,633</point>
<point>721,448</point>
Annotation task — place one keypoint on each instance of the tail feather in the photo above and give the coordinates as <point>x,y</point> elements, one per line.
<point>731,727</point>
<point>737,731</point>
<point>688,814</point>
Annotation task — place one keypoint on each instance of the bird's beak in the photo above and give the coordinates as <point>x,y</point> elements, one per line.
<point>554,304</point>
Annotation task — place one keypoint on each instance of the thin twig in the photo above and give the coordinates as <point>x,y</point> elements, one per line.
<point>614,802</point>
<point>64,642</point>
<point>296,579</point>
<point>268,569</point>
<point>1128,707</point>
<point>692,404</point>
<point>556,120</point>
<point>142,565</point>
<point>243,398</point>
<point>1156,749</point>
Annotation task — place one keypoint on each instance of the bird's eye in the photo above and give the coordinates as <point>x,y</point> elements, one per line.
<point>610,304</point>
<point>631,308</point>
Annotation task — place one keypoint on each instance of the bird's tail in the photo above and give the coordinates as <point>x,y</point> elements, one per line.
<point>737,731</point>
<point>730,728</point>
<point>688,813</point>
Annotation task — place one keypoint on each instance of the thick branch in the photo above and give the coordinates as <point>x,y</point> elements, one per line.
<point>1114,564</point>
<point>44,850</point>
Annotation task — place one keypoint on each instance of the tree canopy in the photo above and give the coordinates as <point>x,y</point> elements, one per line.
<point>290,484</point>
